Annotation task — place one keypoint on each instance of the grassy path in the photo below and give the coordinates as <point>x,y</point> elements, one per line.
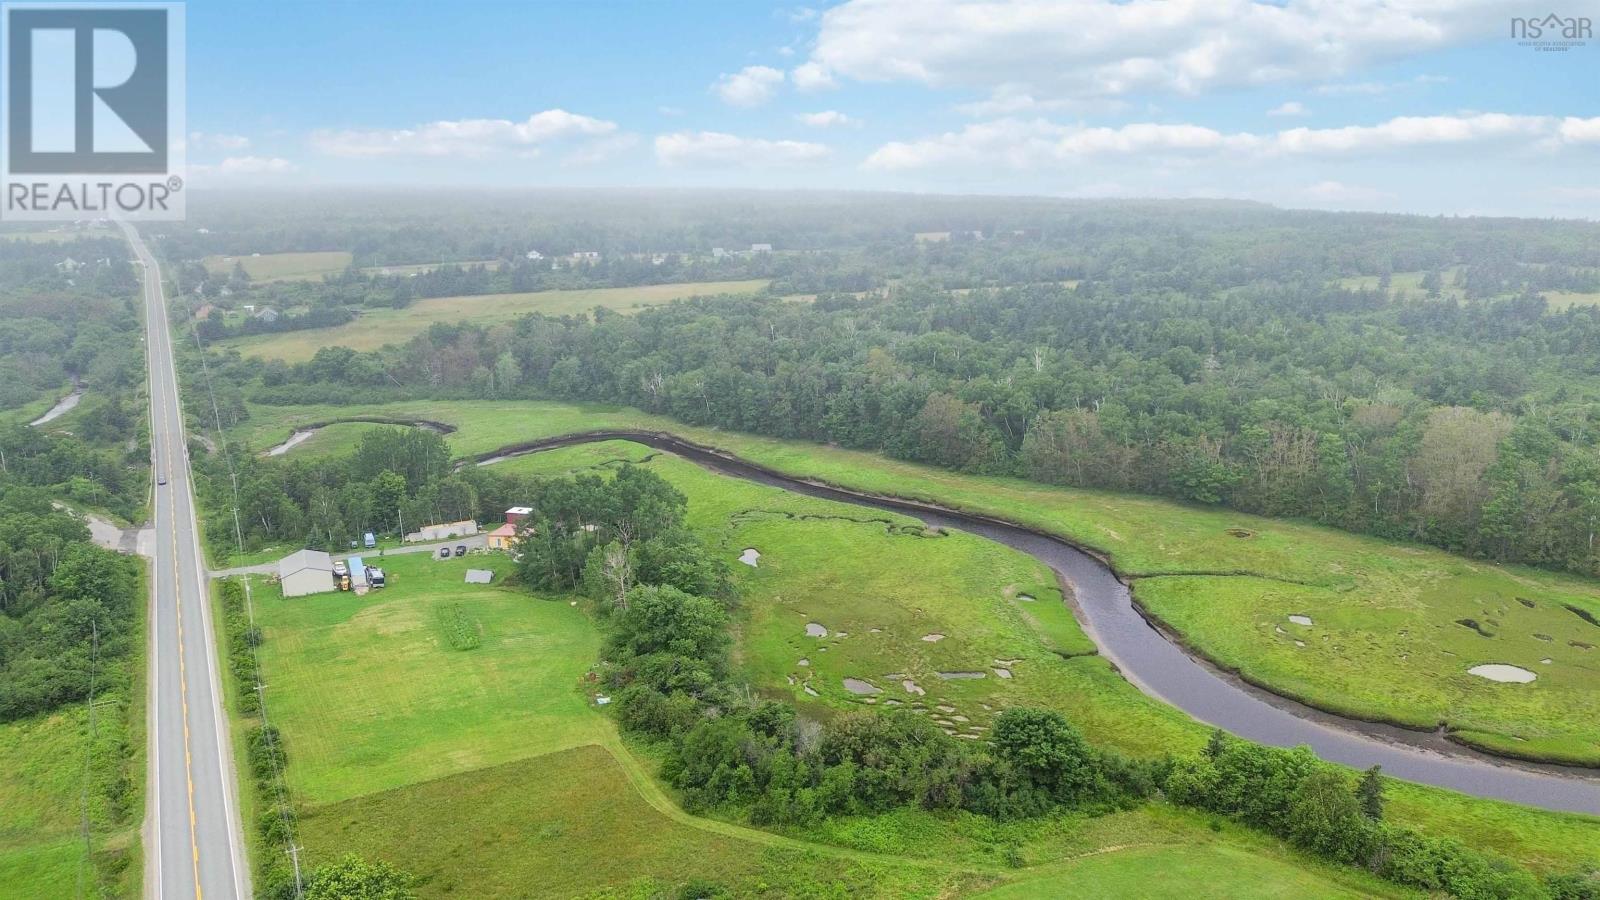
<point>650,790</point>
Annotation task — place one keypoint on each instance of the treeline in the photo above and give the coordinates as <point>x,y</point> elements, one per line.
<point>667,660</point>
<point>396,480</point>
<point>105,465</point>
<point>1467,425</point>
<point>68,609</point>
<point>66,309</point>
<point>1232,240</point>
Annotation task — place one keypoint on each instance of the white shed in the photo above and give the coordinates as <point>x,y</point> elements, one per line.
<point>305,572</point>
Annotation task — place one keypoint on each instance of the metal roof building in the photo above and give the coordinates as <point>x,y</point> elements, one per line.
<point>305,572</point>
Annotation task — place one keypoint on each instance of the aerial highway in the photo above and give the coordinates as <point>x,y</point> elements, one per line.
<point>192,837</point>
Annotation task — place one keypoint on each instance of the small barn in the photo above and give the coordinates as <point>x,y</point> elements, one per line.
<point>306,572</point>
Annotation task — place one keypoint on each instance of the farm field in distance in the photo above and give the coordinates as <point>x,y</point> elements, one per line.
<point>307,266</point>
<point>377,327</point>
<point>1538,837</point>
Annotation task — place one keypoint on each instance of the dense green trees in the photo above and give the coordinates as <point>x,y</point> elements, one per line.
<point>67,608</point>
<point>1467,425</point>
<point>66,309</point>
<point>352,878</point>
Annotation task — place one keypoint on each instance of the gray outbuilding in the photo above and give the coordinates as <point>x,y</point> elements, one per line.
<point>305,572</point>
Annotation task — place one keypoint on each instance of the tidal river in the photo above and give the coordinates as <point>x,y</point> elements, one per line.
<point>1165,671</point>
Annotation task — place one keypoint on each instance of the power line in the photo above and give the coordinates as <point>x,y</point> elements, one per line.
<point>88,758</point>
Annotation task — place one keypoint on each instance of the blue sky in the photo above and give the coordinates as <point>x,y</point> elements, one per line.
<point>1410,105</point>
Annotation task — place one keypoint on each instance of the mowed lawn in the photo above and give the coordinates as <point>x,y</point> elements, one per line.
<point>308,266</point>
<point>371,695</point>
<point>378,327</point>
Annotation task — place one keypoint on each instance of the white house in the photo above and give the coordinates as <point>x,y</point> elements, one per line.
<point>443,531</point>
<point>305,572</point>
<point>760,248</point>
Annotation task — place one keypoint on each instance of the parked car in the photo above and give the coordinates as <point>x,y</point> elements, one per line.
<point>444,552</point>
<point>461,549</point>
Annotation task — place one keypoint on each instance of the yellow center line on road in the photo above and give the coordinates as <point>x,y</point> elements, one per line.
<point>183,672</point>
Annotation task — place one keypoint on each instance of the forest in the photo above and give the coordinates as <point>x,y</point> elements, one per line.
<point>65,309</point>
<point>1461,413</point>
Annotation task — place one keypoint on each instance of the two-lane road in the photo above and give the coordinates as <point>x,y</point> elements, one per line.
<point>193,842</point>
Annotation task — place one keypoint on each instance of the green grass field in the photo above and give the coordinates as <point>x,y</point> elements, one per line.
<point>309,266</point>
<point>881,587</point>
<point>1407,282</point>
<point>372,696</point>
<point>43,773</point>
<point>51,237</point>
<point>1564,300</point>
<point>1144,535</point>
<point>419,268</point>
<point>1388,646</point>
<point>378,327</point>
<point>486,771</point>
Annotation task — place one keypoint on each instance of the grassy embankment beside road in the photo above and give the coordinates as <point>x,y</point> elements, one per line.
<point>56,771</point>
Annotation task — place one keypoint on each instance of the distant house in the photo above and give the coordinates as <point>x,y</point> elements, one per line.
<point>443,531</point>
<point>305,572</point>
<point>585,256</point>
<point>504,536</point>
<point>534,254</point>
<point>931,237</point>
<point>718,253</point>
<point>204,312</point>
<point>68,265</point>
<point>267,314</point>
<point>760,248</point>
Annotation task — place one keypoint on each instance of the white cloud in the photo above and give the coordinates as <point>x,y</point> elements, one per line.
<point>750,86</point>
<point>1580,131</point>
<point>200,140</point>
<point>1410,131</point>
<point>812,76</point>
<point>470,138</point>
<point>1027,144</point>
<point>1098,48</point>
<point>1375,88</point>
<point>828,118</point>
<point>1289,108</point>
<point>686,148</point>
<point>247,165</point>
